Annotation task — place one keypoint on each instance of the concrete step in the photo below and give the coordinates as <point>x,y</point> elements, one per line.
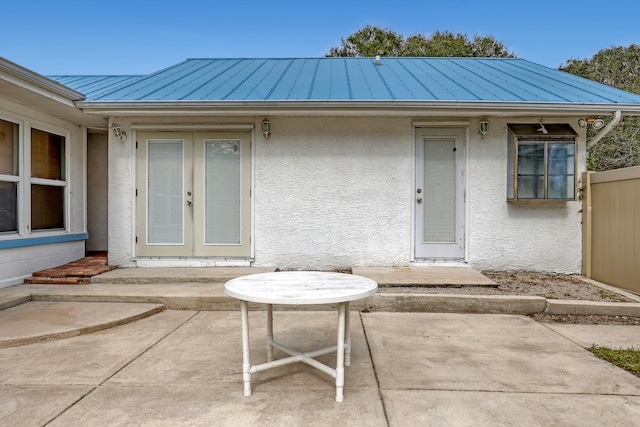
<point>429,276</point>
<point>173,275</point>
<point>39,321</point>
<point>211,297</point>
<point>384,276</point>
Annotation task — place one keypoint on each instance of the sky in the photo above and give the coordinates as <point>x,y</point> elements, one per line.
<point>116,37</point>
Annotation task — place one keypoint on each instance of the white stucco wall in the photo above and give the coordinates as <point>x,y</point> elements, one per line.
<point>336,192</point>
<point>121,166</point>
<point>333,193</point>
<point>528,235</point>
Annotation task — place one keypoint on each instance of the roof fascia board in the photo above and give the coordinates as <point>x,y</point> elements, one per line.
<point>182,108</point>
<point>25,78</point>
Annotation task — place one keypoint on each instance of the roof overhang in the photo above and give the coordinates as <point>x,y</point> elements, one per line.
<point>351,108</point>
<point>25,87</point>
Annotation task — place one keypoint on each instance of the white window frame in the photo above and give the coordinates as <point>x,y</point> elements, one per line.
<point>25,180</point>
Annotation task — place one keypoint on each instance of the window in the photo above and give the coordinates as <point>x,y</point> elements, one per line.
<point>541,162</point>
<point>9,177</point>
<point>47,180</point>
<point>33,183</point>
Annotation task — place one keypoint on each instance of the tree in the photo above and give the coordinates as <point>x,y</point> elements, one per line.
<point>619,67</point>
<point>372,40</point>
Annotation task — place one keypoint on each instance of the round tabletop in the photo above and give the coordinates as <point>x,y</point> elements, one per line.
<point>300,287</point>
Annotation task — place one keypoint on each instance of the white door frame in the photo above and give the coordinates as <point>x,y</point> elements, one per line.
<point>456,249</point>
<point>194,245</point>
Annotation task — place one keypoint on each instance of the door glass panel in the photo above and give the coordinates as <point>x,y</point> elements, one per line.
<point>165,206</point>
<point>223,219</point>
<point>440,190</point>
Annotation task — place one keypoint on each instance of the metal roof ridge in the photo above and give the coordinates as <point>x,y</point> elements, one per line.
<point>143,77</point>
<point>474,58</point>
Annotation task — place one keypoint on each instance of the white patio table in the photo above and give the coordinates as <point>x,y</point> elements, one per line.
<point>299,288</point>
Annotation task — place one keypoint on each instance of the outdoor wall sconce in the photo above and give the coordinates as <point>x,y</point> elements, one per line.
<point>266,128</point>
<point>542,128</point>
<point>118,132</point>
<point>595,123</point>
<point>484,127</point>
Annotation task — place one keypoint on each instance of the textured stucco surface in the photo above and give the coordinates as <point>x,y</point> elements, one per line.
<point>336,192</point>
<point>121,186</point>
<point>535,235</point>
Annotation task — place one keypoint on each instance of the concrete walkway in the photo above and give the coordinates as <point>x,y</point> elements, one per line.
<point>152,353</point>
<point>436,369</point>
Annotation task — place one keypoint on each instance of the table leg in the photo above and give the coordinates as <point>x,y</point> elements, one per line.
<point>347,332</point>
<point>246,360</point>
<point>340,353</point>
<point>269,332</point>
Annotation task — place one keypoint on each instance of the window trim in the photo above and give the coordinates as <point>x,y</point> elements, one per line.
<point>24,181</point>
<point>555,134</point>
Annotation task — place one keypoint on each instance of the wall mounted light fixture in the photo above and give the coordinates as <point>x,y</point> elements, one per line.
<point>596,123</point>
<point>118,132</point>
<point>266,128</point>
<point>484,127</point>
<point>542,128</point>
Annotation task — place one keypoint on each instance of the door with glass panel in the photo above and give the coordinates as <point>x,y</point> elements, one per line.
<point>439,193</point>
<point>193,194</point>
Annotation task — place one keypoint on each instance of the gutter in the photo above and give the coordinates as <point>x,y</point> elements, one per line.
<point>347,107</point>
<point>617,116</point>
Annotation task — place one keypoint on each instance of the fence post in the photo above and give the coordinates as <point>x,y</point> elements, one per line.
<point>586,224</point>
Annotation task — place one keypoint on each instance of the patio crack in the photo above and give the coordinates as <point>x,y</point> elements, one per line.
<point>375,371</point>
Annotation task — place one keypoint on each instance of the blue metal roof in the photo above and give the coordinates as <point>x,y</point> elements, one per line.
<point>94,86</point>
<point>355,79</point>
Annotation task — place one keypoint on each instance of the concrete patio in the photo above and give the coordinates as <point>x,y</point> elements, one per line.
<point>437,369</point>
<point>138,347</point>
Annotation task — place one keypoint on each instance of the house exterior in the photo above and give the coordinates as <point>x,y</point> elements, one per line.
<point>319,163</point>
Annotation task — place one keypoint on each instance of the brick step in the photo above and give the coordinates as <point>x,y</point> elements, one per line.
<point>73,273</point>
<point>58,280</point>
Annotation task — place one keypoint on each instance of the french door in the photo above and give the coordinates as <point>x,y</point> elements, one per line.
<point>439,197</point>
<point>193,194</point>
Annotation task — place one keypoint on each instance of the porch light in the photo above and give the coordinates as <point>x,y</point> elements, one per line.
<point>596,123</point>
<point>118,132</point>
<point>266,128</point>
<point>484,127</point>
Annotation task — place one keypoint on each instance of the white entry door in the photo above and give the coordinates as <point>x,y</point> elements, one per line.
<point>193,194</point>
<point>439,193</point>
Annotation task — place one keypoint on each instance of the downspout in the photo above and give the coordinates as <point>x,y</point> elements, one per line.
<point>593,141</point>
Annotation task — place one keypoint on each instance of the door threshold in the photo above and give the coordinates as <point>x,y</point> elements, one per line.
<point>438,262</point>
<point>192,262</point>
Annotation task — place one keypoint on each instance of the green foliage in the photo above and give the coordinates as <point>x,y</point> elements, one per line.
<point>627,359</point>
<point>619,67</point>
<point>372,40</point>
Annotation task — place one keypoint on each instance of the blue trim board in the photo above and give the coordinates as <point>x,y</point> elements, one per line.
<point>44,240</point>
